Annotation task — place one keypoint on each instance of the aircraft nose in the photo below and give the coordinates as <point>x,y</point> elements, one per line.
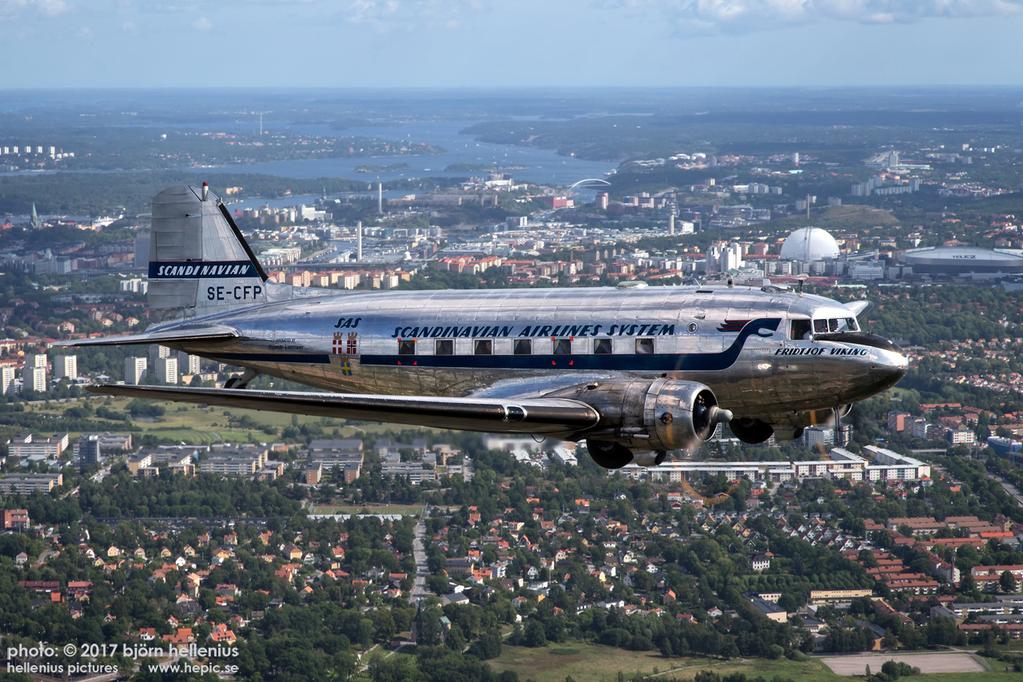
<point>888,368</point>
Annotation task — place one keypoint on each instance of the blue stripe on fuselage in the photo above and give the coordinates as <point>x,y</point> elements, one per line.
<point>707,362</point>
<point>625,362</point>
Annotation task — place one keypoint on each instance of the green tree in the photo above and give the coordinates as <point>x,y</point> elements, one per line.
<point>1007,581</point>
<point>534,635</point>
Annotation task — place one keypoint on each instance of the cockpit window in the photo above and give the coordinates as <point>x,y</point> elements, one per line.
<point>841,324</point>
<point>834,325</point>
<point>799,329</point>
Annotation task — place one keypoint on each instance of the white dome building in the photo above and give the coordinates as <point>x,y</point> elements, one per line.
<point>809,245</point>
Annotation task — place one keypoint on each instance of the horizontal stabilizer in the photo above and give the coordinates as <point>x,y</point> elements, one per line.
<point>158,337</point>
<point>549,416</point>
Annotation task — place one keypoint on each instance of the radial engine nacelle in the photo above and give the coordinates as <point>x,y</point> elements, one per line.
<point>640,421</point>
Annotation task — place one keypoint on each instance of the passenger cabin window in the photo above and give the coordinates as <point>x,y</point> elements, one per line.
<point>563,346</point>
<point>799,329</point>
<point>644,346</point>
<point>483,347</point>
<point>444,347</point>
<point>406,346</point>
<point>523,347</point>
<point>602,346</point>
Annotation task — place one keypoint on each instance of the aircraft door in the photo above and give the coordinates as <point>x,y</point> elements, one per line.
<point>697,331</point>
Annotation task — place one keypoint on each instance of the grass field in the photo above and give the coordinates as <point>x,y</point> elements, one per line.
<point>852,214</point>
<point>599,663</point>
<point>595,662</point>
<point>403,509</point>
<point>927,662</point>
<point>197,424</point>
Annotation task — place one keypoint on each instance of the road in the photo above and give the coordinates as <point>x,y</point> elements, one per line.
<point>102,472</point>
<point>43,557</point>
<point>1013,491</point>
<point>419,590</point>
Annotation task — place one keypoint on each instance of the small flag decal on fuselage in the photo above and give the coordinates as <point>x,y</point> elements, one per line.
<point>344,346</point>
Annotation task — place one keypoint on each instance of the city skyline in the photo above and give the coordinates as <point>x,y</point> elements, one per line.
<point>416,43</point>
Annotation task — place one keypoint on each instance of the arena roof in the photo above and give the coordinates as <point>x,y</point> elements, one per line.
<point>962,259</point>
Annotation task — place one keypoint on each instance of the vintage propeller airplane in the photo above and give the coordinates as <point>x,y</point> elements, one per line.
<point>634,371</point>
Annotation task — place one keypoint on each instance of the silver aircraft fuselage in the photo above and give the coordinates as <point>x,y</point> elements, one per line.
<point>750,346</point>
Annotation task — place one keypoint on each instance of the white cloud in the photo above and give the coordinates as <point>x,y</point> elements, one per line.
<point>48,7</point>
<point>701,17</point>
<point>202,24</point>
<point>51,7</point>
<point>410,14</point>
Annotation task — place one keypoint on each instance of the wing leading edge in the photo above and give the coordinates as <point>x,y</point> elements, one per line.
<point>178,335</point>
<point>548,416</point>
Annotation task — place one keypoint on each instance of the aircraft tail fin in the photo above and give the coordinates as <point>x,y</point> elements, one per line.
<point>198,259</point>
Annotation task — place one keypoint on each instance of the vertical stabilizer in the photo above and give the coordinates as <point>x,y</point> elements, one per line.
<point>198,259</point>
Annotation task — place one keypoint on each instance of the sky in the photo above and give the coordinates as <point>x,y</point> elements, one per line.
<point>508,43</point>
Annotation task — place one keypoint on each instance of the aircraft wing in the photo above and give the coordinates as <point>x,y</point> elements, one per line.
<point>216,333</point>
<point>547,416</point>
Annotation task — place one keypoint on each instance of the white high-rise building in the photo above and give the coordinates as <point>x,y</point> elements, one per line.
<point>189,364</point>
<point>66,367</point>
<point>731,257</point>
<point>34,379</point>
<point>136,285</point>
<point>157,352</point>
<point>7,376</point>
<point>167,370</point>
<point>134,370</point>
<point>35,360</point>
<point>819,436</point>
<point>713,258</point>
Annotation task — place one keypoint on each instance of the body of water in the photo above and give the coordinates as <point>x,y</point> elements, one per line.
<point>532,164</point>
